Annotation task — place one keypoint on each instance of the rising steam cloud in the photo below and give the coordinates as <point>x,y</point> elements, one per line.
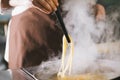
<point>96,44</point>
<point>80,24</point>
<point>89,36</point>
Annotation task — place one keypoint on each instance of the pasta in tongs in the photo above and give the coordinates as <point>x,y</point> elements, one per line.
<point>67,43</point>
<point>66,67</point>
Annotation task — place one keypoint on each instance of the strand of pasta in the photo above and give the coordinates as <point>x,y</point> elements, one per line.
<point>64,68</point>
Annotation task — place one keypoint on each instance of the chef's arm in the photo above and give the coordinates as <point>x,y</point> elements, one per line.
<point>100,12</point>
<point>46,6</point>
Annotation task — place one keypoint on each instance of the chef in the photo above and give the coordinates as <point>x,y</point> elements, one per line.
<point>33,36</point>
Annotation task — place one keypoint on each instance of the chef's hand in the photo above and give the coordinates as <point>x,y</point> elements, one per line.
<point>46,6</point>
<point>100,12</point>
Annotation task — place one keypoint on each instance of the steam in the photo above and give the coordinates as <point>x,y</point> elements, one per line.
<point>93,41</point>
<point>88,36</point>
<point>80,23</point>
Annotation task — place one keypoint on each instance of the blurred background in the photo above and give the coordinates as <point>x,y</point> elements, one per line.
<point>4,20</point>
<point>5,15</point>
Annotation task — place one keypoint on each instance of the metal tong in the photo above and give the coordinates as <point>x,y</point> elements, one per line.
<point>29,74</point>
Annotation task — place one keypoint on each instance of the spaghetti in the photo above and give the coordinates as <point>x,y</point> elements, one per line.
<point>64,68</point>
